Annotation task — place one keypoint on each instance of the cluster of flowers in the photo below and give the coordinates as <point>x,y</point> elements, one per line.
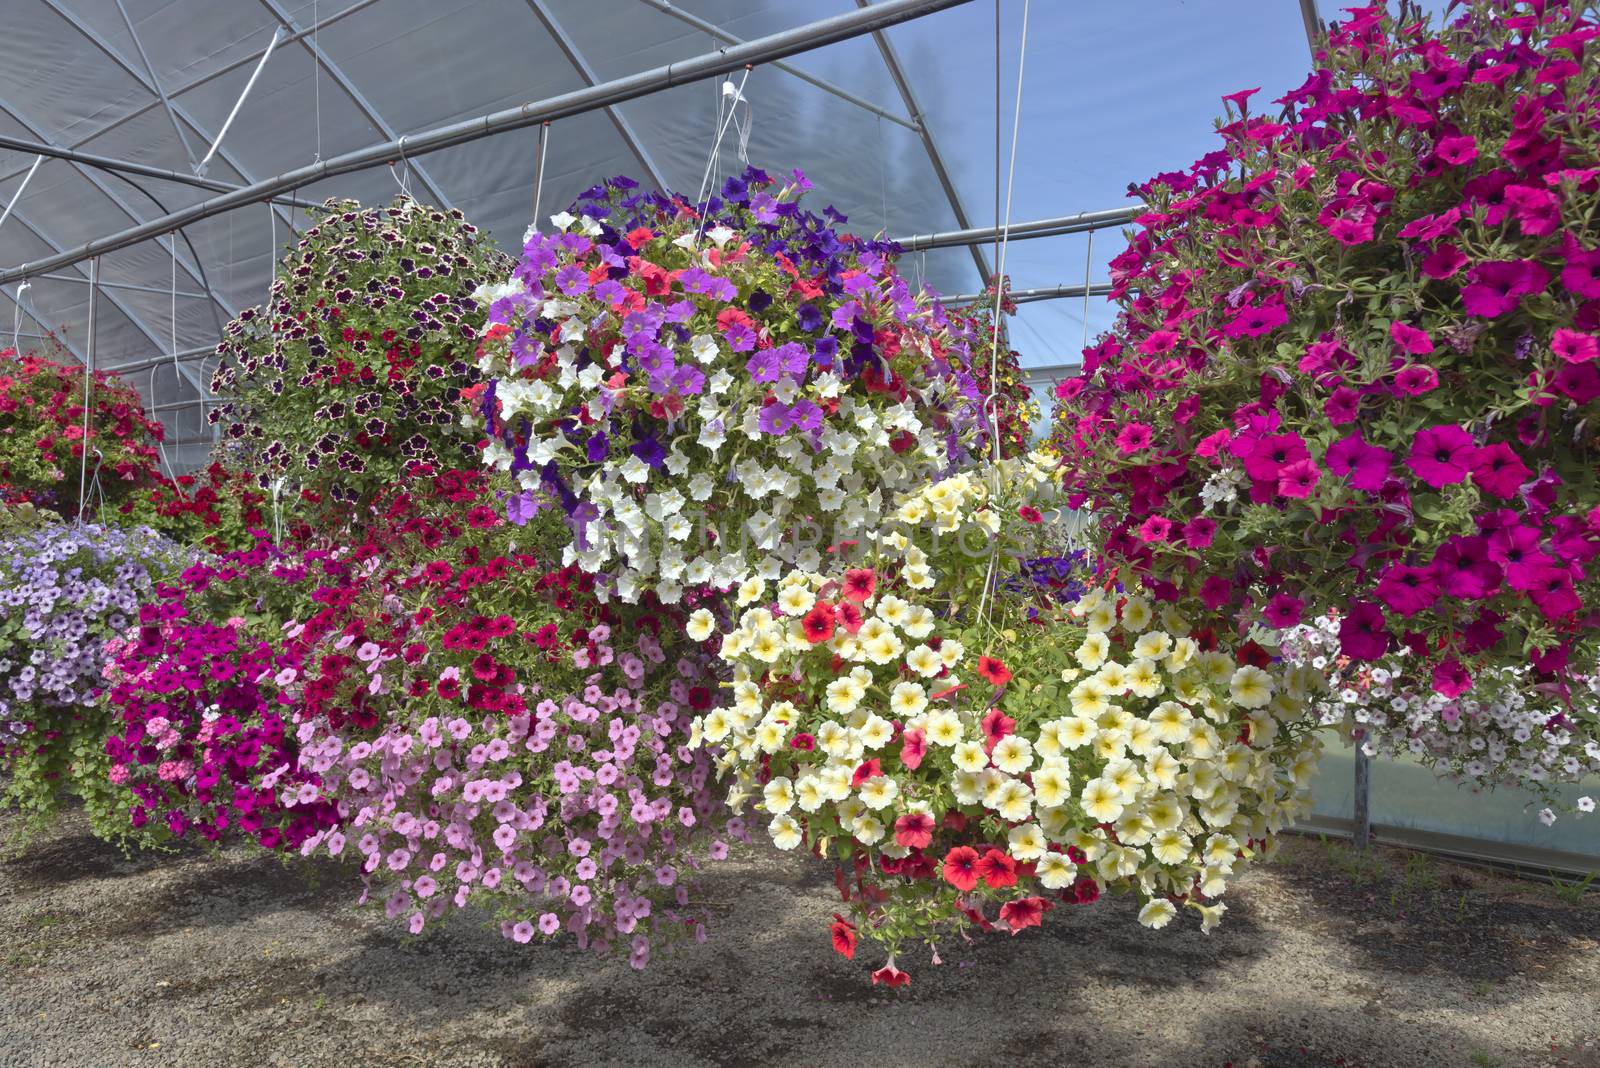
<point>42,434</point>
<point>1503,732</point>
<point>353,369</point>
<point>473,725</point>
<point>65,590</point>
<point>701,387</point>
<point>217,508</point>
<point>967,751</point>
<point>985,354</point>
<point>1355,366</point>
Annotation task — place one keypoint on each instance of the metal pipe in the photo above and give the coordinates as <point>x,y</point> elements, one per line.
<point>804,38</point>
<point>667,8</point>
<point>200,168</point>
<point>182,356</point>
<point>978,235</point>
<point>206,79</point>
<point>1026,296</point>
<point>122,285</point>
<point>106,163</point>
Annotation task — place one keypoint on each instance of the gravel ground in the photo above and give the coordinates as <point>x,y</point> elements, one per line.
<point>201,959</point>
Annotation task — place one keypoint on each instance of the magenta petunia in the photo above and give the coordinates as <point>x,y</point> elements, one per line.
<point>1407,590</point>
<point>1497,469</point>
<point>1283,610</point>
<point>1134,437</point>
<point>1255,320</point>
<point>1272,454</point>
<point>1441,456</point>
<point>1362,633</point>
<point>1578,381</point>
<point>1498,286</point>
<point>1450,678</point>
<point>1538,211</point>
<point>1342,406</point>
<point>1463,569</point>
<point>1457,151</point>
<point>1365,465</point>
<point>1199,532</point>
<point>1443,261</point>
<point>1296,480</point>
<point>1155,529</point>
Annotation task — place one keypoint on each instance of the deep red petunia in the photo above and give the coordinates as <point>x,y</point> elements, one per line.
<point>818,623</point>
<point>869,769</point>
<point>844,937</point>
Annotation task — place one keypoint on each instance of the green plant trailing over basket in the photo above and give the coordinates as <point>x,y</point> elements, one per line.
<point>1356,366</point>
<point>351,373</point>
<point>42,433</point>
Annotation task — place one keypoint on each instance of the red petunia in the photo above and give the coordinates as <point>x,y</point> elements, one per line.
<point>844,937</point>
<point>869,769</point>
<point>914,830</point>
<point>1025,912</point>
<point>994,670</point>
<point>997,869</point>
<point>1030,513</point>
<point>889,975</point>
<point>850,617</point>
<point>818,623</point>
<point>860,583</point>
<point>961,868</point>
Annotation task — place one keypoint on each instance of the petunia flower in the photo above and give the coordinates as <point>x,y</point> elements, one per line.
<point>1362,633</point>
<point>1498,286</point>
<point>860,584</point>
<point>1497,469</point>
<point>1573,347</point>
<point>994,670</point>
<point>889,975</point>
<point>1025,912</point>
<point>844,937</point>
<point>914,830</point>
<point>961,868</point>
<point>996,868</point>
<point>1441,456</point>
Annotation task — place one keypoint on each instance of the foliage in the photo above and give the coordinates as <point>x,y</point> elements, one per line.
<point>65,590</point>
<point>352,371</point>
<point>1355,366</point>
<point>971,750</point>
<point>711,392</point>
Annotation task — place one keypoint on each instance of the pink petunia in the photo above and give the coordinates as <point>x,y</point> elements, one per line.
<point>1133,437</point>
<point>1272,453</point>
<point>1538,211</point>
<point>1450,678</point>
<point>1441,456</point>
<point>1463,569</point>
<point>1578,381</point>
<point>1415,379</point>
<point>1155,529</point>
<point>1573,347</point>
<point>1199,532</point>
<point>1409,339</point>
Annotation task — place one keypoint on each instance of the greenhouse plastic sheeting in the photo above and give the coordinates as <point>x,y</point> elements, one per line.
<point>1112,93</point>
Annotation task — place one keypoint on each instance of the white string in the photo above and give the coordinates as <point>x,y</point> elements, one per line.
<point>744,127</point>
<point>1088,267</point>
<point>990,403</point>
<point>538,174</point>
<point>722,128</point>
<point>404,184</point>
<point>161,446</point>
<point>16,317</point>
<point>88,380</point>
<point>316,74</point>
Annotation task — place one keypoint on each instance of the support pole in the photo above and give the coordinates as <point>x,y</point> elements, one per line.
<point>1083,222</point>
<point>806,38</point>
<point>1362,832</point>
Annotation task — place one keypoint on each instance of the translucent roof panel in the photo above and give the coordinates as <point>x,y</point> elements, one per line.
<point>1111,94</point>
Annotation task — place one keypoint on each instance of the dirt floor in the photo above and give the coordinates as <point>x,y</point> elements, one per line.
<point>1325,958</point>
